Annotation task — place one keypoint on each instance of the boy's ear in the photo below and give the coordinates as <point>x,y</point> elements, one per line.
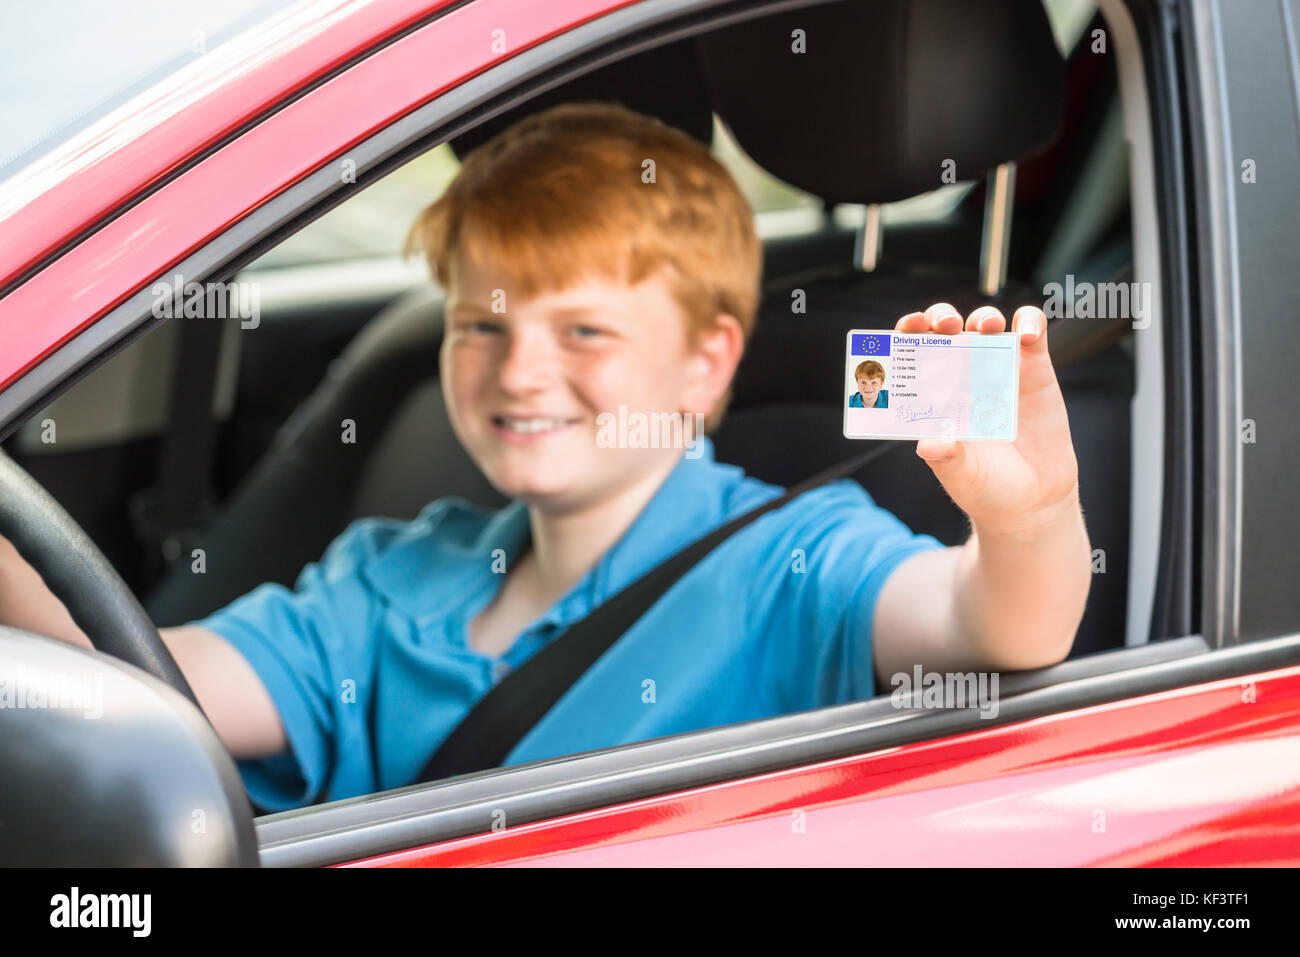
<point>713,363</point>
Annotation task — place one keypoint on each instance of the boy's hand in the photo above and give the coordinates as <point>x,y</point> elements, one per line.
<point>1008,488</point>
<point>1013,595</point>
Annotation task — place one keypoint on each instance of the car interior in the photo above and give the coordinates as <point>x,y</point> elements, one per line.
<point>201,435</point>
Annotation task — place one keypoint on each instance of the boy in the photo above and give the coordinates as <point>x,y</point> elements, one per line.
<point>576,284</point>
<point>871,394</point>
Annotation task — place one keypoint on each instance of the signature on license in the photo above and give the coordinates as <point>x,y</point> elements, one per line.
<point>909,413</point>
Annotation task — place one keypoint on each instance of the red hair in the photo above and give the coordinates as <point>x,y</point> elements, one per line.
<point>567,193</point>
<point>871,369</point>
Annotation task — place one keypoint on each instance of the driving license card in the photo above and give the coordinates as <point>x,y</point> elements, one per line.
<point>903,385</point>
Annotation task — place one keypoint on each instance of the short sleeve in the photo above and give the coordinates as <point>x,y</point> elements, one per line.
<point>305,644</point>
<point>819,593</point>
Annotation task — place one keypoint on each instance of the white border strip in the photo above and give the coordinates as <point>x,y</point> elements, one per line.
<point>1148,409</point>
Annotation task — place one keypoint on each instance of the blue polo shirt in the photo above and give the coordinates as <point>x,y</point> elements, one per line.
<point>369,664</point>
<point>882,400</point>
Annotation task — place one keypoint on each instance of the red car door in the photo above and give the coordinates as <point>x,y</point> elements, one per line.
<point>1188,761</point>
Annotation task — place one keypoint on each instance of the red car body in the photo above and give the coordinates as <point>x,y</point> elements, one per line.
<point>1187,776</point>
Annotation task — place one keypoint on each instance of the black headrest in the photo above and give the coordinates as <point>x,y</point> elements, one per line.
<point>666,82</point>
<point>886,90</point>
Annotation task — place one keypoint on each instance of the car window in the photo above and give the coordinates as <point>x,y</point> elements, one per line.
<point>375,222</point>
<point>275,352</point>
<point>372,223</point>
<point>53,53</point>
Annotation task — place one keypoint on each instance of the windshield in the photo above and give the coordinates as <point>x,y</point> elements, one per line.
<point>66,63</point>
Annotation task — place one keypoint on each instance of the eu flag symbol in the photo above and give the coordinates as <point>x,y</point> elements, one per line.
<point>871,344</point>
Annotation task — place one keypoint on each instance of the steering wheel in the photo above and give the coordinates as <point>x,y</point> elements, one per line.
<point>78,574</point>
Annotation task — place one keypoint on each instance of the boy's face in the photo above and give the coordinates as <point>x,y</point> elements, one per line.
<point>524,385</point>
<point>869,389</point>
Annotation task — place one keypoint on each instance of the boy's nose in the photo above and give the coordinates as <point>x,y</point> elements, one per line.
<point>528,366</point>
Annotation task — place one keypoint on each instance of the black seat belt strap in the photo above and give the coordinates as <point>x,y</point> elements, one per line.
<point>169,515</point>
<point>487,735</point>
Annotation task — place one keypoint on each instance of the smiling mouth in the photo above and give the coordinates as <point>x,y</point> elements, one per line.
<point>530,426</point>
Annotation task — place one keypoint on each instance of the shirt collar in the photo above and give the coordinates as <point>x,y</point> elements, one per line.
<point>425,572</point>
<point>688,504</point>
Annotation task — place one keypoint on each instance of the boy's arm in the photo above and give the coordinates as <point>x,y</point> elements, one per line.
<point>1011,598</point>
<point>225,684</point>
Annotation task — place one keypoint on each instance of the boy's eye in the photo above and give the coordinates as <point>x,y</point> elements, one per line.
<point>587,332</point>
<point>482,326</point>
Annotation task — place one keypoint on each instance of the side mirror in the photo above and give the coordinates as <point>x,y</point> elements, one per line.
<point>106,766</point>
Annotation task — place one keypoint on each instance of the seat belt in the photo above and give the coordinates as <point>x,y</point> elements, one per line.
<point>168,516</point>
<point>510,710</point>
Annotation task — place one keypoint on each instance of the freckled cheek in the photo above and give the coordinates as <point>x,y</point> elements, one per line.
<point>466,372</point>
<point>603,383</point>
<point>598,382</point>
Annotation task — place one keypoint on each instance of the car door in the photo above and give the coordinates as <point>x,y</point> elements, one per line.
<point>1073,766</point>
